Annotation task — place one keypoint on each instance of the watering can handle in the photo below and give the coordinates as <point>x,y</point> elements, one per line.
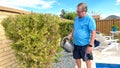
<point>62,41</point>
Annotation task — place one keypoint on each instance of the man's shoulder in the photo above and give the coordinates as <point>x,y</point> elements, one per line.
<point>89,17</point>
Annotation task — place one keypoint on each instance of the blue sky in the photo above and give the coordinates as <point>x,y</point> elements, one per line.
<point>102,7</point>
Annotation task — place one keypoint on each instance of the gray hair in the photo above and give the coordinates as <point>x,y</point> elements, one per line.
<point>84,6</point>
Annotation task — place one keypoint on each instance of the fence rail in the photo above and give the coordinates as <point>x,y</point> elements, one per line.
<point>105,26</point>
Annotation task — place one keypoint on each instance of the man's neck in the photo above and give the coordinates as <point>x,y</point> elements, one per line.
<point>83,16</point>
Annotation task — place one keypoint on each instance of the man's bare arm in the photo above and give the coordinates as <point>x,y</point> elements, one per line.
<point>71,34</point>
<point>93,35</point>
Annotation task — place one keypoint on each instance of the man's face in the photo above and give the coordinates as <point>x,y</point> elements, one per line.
<point>80,12</point>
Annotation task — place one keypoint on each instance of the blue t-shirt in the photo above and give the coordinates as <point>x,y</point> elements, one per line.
<point>82,30</point>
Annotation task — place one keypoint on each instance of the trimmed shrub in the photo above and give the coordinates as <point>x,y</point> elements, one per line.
<point>34,38</point>
<point>65,28</point>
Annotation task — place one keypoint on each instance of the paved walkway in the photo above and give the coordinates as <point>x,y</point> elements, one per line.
<point>66,61</point>
<point>111,56</point>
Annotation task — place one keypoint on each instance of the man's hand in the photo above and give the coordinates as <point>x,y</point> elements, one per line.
<point>69,36</point>
<point>89,49</point>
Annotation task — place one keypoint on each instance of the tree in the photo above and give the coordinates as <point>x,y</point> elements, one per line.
<point>62,13</point>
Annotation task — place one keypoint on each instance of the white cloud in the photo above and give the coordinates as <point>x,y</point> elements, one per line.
<point>117,2</point>
<point>38,4</point>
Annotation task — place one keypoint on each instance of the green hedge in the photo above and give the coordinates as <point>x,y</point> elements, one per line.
<point>35,38</point>
<point>65,28</point>
<point>70,15</point>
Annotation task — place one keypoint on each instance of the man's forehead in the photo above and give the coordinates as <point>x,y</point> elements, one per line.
<point>79,8</point>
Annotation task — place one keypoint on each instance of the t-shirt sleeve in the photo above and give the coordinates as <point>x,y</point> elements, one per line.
<point>92,24</point>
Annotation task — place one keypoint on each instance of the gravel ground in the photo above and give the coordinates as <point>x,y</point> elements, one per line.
<point>66,61</point>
